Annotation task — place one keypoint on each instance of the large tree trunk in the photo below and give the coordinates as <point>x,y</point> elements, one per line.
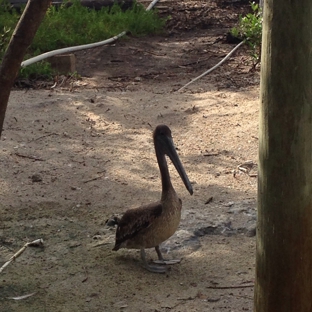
<point>284,236</point>
<point>21,39</point>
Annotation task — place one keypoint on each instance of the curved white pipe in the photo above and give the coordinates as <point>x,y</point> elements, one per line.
<point>214,67</point>
<point>70,49</point>
<point>151,5</point>
<point>80,47</point>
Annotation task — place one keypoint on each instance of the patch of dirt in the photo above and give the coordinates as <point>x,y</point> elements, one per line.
<point>76,155</point>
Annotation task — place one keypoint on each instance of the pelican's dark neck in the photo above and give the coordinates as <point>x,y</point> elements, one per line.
<point>164,172</point>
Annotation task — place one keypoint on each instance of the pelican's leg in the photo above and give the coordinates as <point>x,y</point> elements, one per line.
<point>161,260</point>
<point>151,268</point>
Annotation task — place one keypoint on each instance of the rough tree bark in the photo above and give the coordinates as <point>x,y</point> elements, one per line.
<point>284,233</point>
<point>21,39</point>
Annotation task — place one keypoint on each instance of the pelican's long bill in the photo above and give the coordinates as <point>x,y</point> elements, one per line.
<point>172,153</point>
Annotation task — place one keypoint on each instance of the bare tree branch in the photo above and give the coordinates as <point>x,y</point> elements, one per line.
<point>21,39</point>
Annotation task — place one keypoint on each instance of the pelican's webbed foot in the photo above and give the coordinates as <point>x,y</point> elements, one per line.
<point>152,268</point>
<point>161,260</point>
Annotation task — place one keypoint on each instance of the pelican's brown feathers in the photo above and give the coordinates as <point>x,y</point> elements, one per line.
<point>135,221</point>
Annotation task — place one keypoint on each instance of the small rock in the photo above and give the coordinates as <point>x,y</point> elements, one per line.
<point>36,178</point>
<point>97,237</point>
<point>112,221</point>
<point>235,210</point>
<point>251,231</point>
<point>229,204</point>
<point>213,299</point>
<point>74,244</point>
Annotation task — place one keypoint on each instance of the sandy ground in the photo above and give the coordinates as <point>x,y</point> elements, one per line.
<point>76,155</point>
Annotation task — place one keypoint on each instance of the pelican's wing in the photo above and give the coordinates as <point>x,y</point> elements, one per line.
<point>136,220</point>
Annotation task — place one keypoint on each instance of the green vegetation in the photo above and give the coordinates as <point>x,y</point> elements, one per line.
<point>8,19</point>
<point>249,29</point>
<point>39,70</point>
<point>71,25</point>
<point>4,40</point>
<point>75,25</point>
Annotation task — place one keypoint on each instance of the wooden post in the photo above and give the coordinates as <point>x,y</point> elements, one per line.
<point>284,232</point>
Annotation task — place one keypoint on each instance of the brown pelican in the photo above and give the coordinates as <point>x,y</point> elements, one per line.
<point>150,225</point>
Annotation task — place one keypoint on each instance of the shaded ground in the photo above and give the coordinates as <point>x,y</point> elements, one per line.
<point>76,155</point>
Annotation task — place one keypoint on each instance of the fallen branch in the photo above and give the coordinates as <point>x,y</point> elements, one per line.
<point>213,68</point>
<point>93,179</point>
<point>211,154</point>
<point>229,287</point>
<point>246,167</point>
<point>44,136</point>
<point>22,297</point>
<point>209,200</point>
<point>188,298</point>
<point>35,243</point>
<point>29,157</point>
